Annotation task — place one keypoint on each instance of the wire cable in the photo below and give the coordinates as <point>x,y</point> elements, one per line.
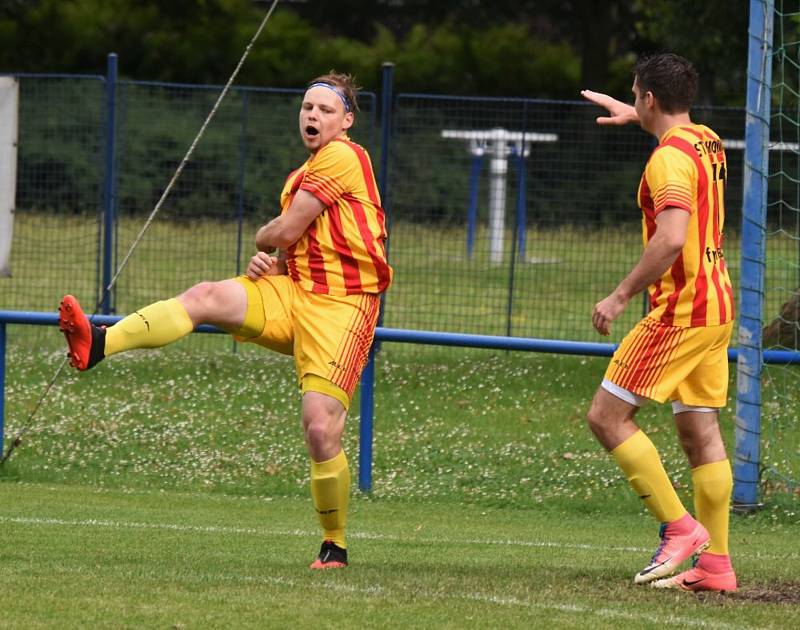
<point>26,425</point>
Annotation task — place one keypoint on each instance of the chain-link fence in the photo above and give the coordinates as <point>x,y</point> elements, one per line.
<point>513,217</point>
<point>506,216</point>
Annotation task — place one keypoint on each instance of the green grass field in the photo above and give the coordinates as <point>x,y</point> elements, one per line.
<point>79,557</point>
<point>169,489</point>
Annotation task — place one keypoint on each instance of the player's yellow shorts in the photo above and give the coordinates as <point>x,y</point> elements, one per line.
<point>663,362</point>
<point>329,336</point>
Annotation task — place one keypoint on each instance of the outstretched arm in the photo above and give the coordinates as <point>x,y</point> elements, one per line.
<point>621,113</point>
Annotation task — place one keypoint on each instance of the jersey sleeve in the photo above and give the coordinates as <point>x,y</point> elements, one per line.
<point>332,173</point>
<point>671,177</point>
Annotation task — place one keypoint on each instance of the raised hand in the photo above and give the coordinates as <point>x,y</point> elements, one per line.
<point>621,113</point>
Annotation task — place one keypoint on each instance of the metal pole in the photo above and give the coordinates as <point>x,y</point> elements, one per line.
<point>387,103</point>
<point>754,212</point>
<point>387,100</point>
<point>366,424</point>
<point>519,237</point>
<point>472,210</point>
<point>240,200</point>
<point>109,188</point>
<point>522,202</point>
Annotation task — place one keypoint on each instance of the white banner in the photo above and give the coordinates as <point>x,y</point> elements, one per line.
<point>9,112</point>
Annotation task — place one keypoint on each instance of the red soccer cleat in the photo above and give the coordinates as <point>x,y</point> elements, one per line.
<point>85,340</point>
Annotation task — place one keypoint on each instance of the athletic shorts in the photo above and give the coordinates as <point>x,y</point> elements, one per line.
<point>329,335</point>
<point>662,362</point>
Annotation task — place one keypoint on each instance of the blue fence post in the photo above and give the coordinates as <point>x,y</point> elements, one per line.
<point>387,100</point>
<point>109,186</point>
<point>2,386</point>
<point>387,104</point>
<point>754,212</point>
<point>240,200</point>
<point>368,375</point>
<point>472,210</point>
<point>522,207</point>
<point>366,424</point>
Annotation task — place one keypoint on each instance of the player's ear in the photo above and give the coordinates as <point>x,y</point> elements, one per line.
<point>348,121</point>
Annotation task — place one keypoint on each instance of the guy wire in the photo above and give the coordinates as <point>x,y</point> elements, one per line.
<point>26,425</point>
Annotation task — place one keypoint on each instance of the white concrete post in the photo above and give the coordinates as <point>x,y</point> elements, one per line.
<point>498,171</point>
<point>9,113</point>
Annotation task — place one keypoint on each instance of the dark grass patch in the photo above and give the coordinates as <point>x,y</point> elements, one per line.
<point>769,593</point>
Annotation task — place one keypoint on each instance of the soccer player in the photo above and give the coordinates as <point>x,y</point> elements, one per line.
<point>312,290</point>
<point>678,351</point>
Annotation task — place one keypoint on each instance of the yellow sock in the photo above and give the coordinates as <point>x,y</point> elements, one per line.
<point>330,491</point>
<point>151,327</point>
<point>639,460</point>
<point>713,484</point>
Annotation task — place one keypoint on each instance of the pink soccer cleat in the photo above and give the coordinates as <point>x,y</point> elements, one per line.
<point>711,573</point>
<point>679,540</point>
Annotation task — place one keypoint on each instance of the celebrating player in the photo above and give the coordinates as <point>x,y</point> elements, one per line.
<point>679,350</point>
<point>312,291</point>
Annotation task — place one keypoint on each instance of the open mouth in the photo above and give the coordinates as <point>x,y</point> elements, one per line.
<point>312,131</point>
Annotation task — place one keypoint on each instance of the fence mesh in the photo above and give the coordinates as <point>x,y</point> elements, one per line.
<point>506,216</point>
<point>206,228</point>
<point>534,263</point>
<point>59,188</point>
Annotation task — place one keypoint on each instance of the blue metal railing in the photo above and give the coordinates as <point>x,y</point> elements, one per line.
<point>367,398</point>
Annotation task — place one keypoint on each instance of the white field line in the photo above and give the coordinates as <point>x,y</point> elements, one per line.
<point>378,591</point>
<point>267,533</point>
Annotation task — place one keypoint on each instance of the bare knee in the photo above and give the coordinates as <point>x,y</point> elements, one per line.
<point>323,437</point>
<point>200,295</point>
<point>595,418</point>
<point>611,419</point>
<point>219,303</point>
<point>323,425</point>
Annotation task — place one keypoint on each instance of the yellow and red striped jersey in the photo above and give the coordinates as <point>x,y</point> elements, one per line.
<point>343,251</point>
<point>687,171</point>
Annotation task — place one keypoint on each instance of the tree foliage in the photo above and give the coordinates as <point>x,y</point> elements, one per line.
<point>536,48</point>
